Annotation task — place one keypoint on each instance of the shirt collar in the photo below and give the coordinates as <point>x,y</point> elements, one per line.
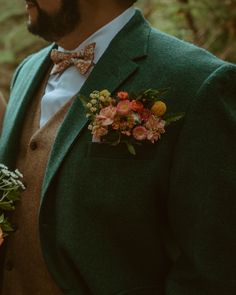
<point>104,35</point>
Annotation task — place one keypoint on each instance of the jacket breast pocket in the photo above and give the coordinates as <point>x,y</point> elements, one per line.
<point>120,152</point>
<point>152,290</point>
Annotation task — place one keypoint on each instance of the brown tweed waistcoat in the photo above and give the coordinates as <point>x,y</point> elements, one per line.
<point>25,270</point>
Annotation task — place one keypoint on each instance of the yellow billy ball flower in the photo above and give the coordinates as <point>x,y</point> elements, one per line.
<point>159,108</point>
<point>105,93</point>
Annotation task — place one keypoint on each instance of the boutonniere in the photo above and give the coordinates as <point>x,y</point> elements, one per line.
<point>10,188</point>
<point>128,117</point>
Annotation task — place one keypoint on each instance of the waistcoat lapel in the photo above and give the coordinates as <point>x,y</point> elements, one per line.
<point>115,66</point>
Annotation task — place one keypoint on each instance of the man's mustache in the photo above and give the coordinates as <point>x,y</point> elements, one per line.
<point>32,2</point>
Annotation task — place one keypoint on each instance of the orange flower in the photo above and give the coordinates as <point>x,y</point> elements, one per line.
<point>123,95</point>
<point>145,114</point>
<point>136,106</point>
<point>159,108</point>
<point>1,237</point>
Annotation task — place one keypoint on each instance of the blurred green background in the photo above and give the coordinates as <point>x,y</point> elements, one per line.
<point>208,23</point>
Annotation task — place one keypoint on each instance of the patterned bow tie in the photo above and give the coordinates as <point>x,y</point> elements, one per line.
<point>83,60</point>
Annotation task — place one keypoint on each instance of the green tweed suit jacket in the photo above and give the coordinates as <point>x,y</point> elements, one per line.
<point>158,223</point>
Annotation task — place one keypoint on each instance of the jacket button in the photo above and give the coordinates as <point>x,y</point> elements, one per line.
<point>33,145</point>
<point>9,265</point>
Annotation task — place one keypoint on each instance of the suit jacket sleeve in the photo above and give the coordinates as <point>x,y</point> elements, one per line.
<point>2,109</point>
<point>3,104</point>
<point>202,201</point>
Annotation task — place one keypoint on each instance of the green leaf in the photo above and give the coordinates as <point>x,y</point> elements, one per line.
<point>14,196</point>
<point>131,148</point>
<point>169,118</point>
<point>8,206</point>
<point>1,218</point>
<point>84,100</point>
<point>7,227</point>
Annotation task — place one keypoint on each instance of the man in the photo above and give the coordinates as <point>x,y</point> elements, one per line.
<point>107,222</point>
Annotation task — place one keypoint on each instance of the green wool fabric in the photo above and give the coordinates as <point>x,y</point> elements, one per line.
<point>158,223</point>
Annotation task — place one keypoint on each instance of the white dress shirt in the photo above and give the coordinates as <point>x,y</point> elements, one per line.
<point>61,87</point>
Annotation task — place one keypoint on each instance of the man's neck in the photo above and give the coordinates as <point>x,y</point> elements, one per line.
<point>91,21</point>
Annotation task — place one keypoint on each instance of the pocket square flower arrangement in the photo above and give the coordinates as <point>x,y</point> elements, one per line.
<point>128,118</point>
<point>10,188</point>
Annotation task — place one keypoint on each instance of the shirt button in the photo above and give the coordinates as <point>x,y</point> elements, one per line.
<point>33,145</point>
<point>9,265</point>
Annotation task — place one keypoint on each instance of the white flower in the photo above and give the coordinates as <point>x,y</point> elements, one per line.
<point>89,105</point>
<point>94,94</point>
<point>14,175</point>
<point>13,180</point>
<point>21,184</point>
<point>93,101</point>
<point>17,172</point>
<point>93,109</point>
<point>3,167</point>
<point>6,172</point>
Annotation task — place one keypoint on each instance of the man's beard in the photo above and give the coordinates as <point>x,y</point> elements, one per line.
<point>54,27</point>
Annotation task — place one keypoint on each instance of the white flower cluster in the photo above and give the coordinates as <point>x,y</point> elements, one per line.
<point>10,180</point>
<point>10,188</point>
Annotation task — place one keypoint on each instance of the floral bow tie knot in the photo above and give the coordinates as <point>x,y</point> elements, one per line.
<point>82,60</point>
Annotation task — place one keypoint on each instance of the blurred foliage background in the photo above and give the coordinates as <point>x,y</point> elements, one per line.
<point>208,23</point>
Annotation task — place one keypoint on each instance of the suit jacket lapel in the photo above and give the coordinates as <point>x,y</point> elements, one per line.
<point>116,65</point>
<point>21,96</point>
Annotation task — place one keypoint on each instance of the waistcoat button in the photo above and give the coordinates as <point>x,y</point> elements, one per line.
<point>33,145</point>
<point>9,265</point>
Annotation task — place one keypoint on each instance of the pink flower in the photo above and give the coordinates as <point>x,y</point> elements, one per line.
<point>106,116</point>
<point>140,133</point>
<point>155,127</point>
<point>1,237</point>
<point>123,107</point>
<point>153,135</point>
<point>154,123</point>
<point>98,132</point>
<point>123,95</point>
